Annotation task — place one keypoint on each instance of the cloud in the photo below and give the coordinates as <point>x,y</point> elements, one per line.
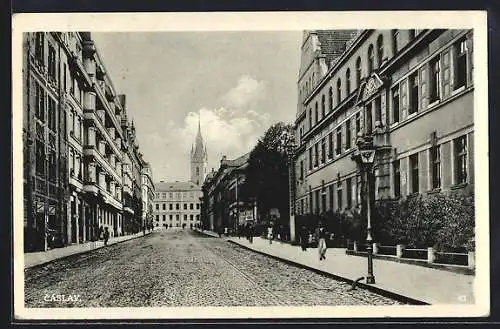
<point>231,129</point>
<point>247,92</point>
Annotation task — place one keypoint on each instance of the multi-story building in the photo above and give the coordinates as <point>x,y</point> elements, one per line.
<point>223,205</point>
<point>177,204</point>
<point>74,141</point>
<point>411,89</point>
<point>148,194</point>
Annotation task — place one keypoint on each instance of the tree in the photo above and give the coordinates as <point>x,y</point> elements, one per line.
<point>267,172</point>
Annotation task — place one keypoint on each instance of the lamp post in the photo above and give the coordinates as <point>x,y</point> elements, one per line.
<point>365,158</point>
<point>288,143</point>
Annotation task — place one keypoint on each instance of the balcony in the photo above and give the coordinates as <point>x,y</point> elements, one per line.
<point>92,116</point>
<point>91,187</point>
<point>111,113</point>
<point>91,151</point>
<point>76,61</point>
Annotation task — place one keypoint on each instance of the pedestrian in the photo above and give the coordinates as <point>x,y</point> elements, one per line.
<point>322,241</point>
<point>251,232</point>
<point>219,230</point>
<point>106,236</point>
<point>303,238</point>
<point>100,232</point>
<point>270,233</point>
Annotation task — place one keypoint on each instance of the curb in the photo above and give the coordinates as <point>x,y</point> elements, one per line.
<point>380,291</point>
<point>83,252</point>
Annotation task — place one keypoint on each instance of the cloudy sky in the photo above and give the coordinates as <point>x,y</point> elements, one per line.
<point>239,82</point>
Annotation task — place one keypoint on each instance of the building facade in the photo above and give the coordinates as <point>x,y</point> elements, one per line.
<point>223,205</point>
<point>74,142</point>
<point>177,204</point>
<point>411,89</point>
<point>148,195</point>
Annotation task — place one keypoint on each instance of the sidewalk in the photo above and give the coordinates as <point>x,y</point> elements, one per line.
<point>37,258</point>
<point>424,284</point>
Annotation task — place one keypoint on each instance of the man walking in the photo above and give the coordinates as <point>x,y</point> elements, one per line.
<point>270,233</point>
<point>321,241</point>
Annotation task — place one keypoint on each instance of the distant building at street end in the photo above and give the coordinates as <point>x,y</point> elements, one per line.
<point>148,195</point>
<point>177,204</point>
<point>222,204</point>
<point>412,89</point>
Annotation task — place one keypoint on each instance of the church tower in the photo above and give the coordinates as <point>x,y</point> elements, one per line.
<point>199,159</point>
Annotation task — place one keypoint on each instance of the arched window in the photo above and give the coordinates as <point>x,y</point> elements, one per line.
<point>316,112</point>
<point>370,59</point>
<point>330,99</point>
<point>339,91</point>
<point>380,49</point>
<point>348,81</point>
<point>323,112</point>
<point>358,71</point>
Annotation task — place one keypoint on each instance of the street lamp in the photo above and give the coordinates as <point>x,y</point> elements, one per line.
<point>365,158</point>
<point>288,144</point>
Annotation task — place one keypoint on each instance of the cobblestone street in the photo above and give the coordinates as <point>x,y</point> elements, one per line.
<point>183,268</point>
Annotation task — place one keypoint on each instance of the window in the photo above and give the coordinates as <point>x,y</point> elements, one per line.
<point>191,206</point>
<point>191,217</point>
<point>164,217</point>
<point>316,116</point>
<point>368,118</point>
<point>411,34</point>
<point>378,110</point>
<point>339,91</point>
<point>349,192</point>
<point>323,200</point>
<point>171,206</point>
<point>371,59</point>
<point>461,63</point>
<point>52,166</point>
<point>339,196</point>
<point>177,206</point>
<point>164,207</point>
<point>436,166</point>
<point>40,102</point>
<point>397,178</point>
<point>414,172</point>
<point>338,149</point>
<point>177,217</point>
<point>317,202</point>
<point>310,159</point>
<point>197,170</point>
<point>51,113</point>
<point>435,67</point>
<point>395,104</point>
<point>163,195</point>
<point>323,150</point>
<point>380,49</point>
<point>358,123</point>
<point>65,85</point>
<point>323,109</point>
<point>170,217</point>
<point>330,196</point>
<point>39,45</point>
<point>301,177</point>
<point>157,206</point>
<point>316,154</point>
<point>197,206</point>
<point>348,134</point>
<point>414,101</point>
<point>52,63</point>
<point>358,71</point>
<point>348,81</point>
<point>157,218</point>
<point>185,206</point>
<point>310,119</point>
<point>330,99</point>
<point>185,218</point>
<point>395,37</point>
<point>330,145</point>
<point>461,159</point>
